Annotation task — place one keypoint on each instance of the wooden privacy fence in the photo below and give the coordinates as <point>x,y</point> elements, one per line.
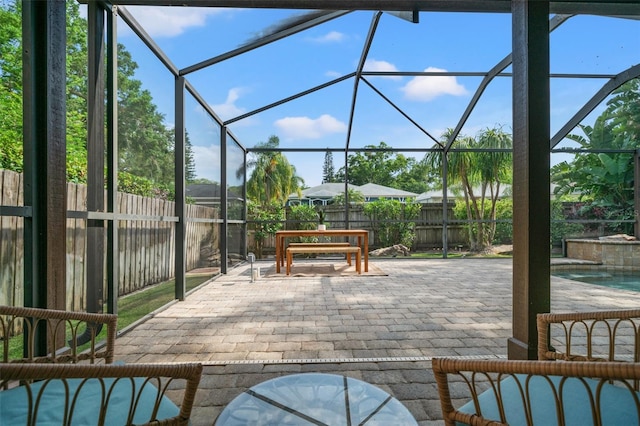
<point>429,226</point>
<point>146,248</point>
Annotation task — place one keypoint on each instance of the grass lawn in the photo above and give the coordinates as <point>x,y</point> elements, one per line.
<point>135,306</point>
<point>131,308</point>
<point>435,255</point>
<point>451,255</point>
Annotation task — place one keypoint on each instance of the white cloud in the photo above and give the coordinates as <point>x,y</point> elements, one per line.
<point>308,128</point>
<point>170,21</point>
<point>333,74</point>
<point>426,88</point>
<point>204,157</point>
<point>330,37</point>
<point>373,65</point>
<point>229,109</point>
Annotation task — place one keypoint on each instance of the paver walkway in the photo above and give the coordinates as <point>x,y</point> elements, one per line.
<point>381,329</point>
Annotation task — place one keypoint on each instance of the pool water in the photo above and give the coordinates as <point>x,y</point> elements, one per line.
<point>616,279</point>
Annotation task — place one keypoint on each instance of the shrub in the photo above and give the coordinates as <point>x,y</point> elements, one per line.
<point>392,221</point>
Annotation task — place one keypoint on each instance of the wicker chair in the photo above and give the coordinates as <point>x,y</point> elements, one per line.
<point>68,333</point>
<point>590,336</point>
<point>601,388</point>
<point>72,384</point>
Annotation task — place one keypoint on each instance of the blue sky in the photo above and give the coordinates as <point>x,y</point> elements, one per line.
<point>452,42</point>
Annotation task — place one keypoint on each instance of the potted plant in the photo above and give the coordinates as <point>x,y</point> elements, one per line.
<point>321,225</point>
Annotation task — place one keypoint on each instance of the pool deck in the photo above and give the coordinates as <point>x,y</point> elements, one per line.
<point>380,329</point>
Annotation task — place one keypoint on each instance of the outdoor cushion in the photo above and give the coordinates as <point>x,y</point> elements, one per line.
<point>53,407</point>
<point>617,404</point>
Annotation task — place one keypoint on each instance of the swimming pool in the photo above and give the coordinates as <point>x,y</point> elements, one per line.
<point>625,280</point>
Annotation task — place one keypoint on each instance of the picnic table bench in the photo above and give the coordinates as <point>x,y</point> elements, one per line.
<point>329,244</point>
<point>314,248</point>
<point>362,236</point>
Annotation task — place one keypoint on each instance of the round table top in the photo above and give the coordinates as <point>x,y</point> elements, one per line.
<point>315,399</point>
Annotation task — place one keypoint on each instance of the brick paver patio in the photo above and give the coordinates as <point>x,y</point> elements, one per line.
<point>380,329</point>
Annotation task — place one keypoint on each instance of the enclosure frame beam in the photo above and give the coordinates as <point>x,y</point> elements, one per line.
<point>591,7</point>
<point>224,226</point>
<point>531,177</point>
<point>181,199</point>
<point>95,230</point>
<point>44,149</point>
<point>113,264</point>
<point>636,192</point>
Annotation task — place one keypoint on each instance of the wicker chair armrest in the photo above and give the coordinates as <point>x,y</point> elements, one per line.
<point>589,336</point>
<point>463,381</point>
<point>179,380</point>
<point>65,332</point>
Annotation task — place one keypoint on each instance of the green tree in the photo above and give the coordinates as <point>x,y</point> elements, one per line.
<point>11,90</point>
<point>328,170</point>
<point>384,167</point>
<point>304,216</point>
<point>393,221</point>
<point>623,109</point>
<point>266,220</point>
<point>504,215</point>
<point>415,177</point>
<point>10,46</point>
<point>77,93</point>
<point>10,130</point>
<point>479,174</point>
<point>560,228</point>
<point>190,164</point>
<point>355,197</point>
<point>604,182</point>
<point>272,178</point>
<point>145,142</point>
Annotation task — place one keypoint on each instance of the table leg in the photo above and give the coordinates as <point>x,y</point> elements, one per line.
<point>366,251</point>
<point>278,254</point>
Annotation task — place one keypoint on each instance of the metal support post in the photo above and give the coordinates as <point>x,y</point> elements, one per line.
<point>44,146</point>
<point>531,181</point>
<point>224,226</point>
<point>95,158</point>
<point>181,207</point>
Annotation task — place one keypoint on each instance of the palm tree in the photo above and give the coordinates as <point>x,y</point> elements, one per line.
<point>473,171</point>
<point>273,178</point>
<point>494,168</point>
<point>459,171</point>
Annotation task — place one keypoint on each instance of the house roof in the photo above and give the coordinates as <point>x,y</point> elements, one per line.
<point>380,191</point>
<point>326,190</point>
<point>207,190</point>
<point>203,190</point>
<point>369,190</point>
<point>435,196</point>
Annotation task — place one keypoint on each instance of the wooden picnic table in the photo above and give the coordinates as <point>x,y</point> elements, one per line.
<point>361,234</point>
